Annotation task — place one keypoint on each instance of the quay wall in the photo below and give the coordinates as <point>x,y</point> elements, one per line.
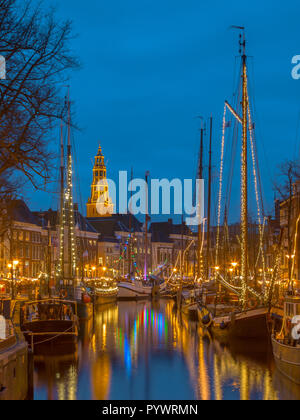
<point>14,372</point>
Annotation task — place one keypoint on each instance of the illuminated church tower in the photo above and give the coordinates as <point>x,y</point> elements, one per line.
<point>99,204</point>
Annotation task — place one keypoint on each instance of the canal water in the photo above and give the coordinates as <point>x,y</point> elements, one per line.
<point>144,350</point>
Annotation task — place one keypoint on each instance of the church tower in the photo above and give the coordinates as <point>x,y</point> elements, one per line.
<point>99,204</point>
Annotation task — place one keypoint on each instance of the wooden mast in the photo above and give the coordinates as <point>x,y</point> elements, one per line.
<point>61,270</point>
<point>200,176</point>
<point>146,228</point>
<point>209,202</point>
<point>244,178</point>
<point>130,265</point>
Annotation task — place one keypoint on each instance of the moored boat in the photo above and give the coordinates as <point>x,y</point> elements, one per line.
<point>105,291</point>
<point>286,344</point>
<point>134,290</point>
<point>49,320</point>
<point>248,324</point>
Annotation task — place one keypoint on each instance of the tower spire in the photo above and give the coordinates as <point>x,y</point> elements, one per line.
<point>99,204</point>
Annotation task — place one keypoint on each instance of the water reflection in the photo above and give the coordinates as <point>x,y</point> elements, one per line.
<point>139,350</point>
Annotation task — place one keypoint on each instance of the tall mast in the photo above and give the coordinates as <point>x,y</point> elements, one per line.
<point>209,201</point>
<point>146,227</point>
<point>61,269</point>
<point>130,265</point>
<point>200,176</point>
<point>49,262</point>
<point>70,205</point>
<point>244,177</point>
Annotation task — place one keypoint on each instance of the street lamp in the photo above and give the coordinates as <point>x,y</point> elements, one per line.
<point>12,269</point>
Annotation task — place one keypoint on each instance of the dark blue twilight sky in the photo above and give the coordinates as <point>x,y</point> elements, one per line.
<point>149,67</point>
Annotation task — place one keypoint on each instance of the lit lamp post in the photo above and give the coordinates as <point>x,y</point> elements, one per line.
<point>93,271</point>
<point>12,268</point>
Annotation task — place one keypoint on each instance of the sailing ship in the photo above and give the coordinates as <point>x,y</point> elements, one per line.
<point>250,318</point>
<point>286,344</point>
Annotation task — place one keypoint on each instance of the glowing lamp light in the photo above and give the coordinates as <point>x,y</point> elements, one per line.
<point>234,264</point>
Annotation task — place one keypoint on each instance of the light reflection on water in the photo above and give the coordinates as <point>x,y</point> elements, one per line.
<point>144,350</point>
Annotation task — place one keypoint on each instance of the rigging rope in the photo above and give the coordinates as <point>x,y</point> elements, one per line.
<point>260,227</point>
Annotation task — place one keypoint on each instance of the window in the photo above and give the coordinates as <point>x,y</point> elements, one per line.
<point>20,236</point>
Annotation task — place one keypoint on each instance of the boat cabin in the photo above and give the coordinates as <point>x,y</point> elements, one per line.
<point>291,311</point>
<point>48,310</point>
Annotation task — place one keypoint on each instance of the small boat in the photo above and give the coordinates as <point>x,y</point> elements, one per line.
<point>105,291</point>
<point>49,320</point>
<point>286,344</point>
<point>134,290</point>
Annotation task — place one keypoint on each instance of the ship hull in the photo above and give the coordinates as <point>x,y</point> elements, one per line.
<point>252,324</point>
<point>54,331</point>
<point>132,292</point>
<point>287,359</point>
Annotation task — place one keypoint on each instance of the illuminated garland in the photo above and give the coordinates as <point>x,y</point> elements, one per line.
<point>69,202</point>
<point>133,255</point>
<point>220,185</point>
<point>244,193</point>
<point>68,221</point>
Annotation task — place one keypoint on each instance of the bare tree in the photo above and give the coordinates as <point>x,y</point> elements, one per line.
<point>38,61</point>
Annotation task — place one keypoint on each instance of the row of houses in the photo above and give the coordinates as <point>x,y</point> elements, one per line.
<point>113,245</point>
